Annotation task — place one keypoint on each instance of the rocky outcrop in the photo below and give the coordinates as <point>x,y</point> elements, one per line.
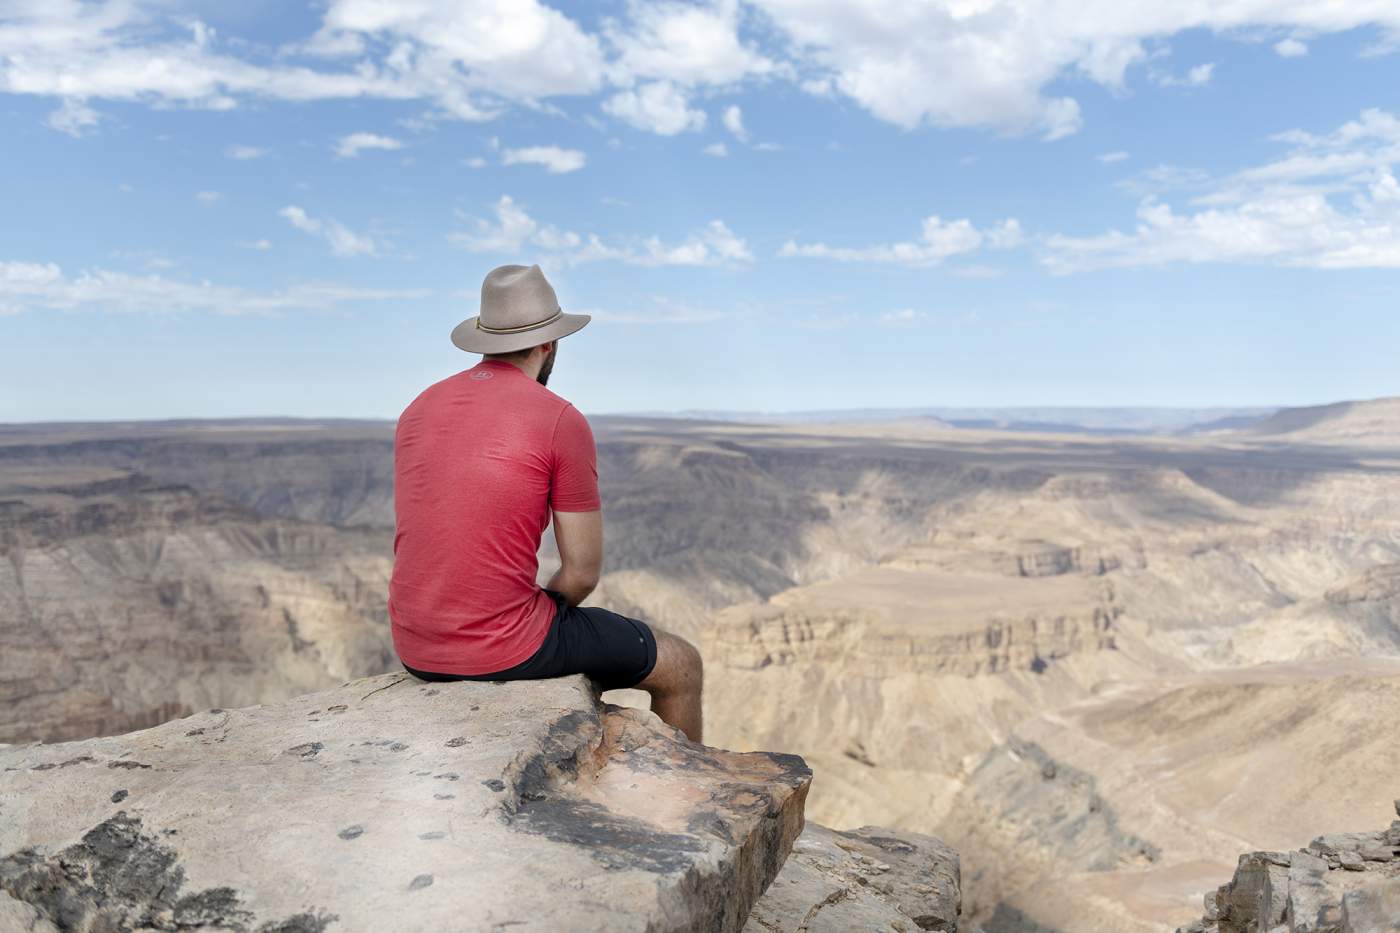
<point>1021,788</point>
<point>1342,883</point>
<point>388,803</point>
<point>1048,560</point>
<point>866,879</point>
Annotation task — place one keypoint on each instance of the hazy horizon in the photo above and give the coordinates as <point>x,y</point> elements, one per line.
<point>883,412</point>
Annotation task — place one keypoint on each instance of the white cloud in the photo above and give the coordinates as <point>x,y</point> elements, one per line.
<point>1291,48</point>
<point>1108,158</point>
<point>718,150</point>
<point>122,51</point>
<point>72,117</point>
<point>1197,76</point>
<point>903,317</point>
<point>1331,201</point>
<point>464,57</point>
<point>685,43</point>
<point>245,152</point>
<point>350,146</point>
<point>734,122</point>
<point>476,162</point>
<point>989,62</point>
<point>342,240</point>
<point>300,219</point>
<point>1060,117</point>
<point>1161,177</point>
<point>208,198</point>
<point>938,240</point>
<point>555,160</point>
<point>467,54</point>
<point>942,64</point>
<point>963,63</point>
<point>658,107</point>
<point>32,287</point>
<point>514,230</point>
<point>716,244</point>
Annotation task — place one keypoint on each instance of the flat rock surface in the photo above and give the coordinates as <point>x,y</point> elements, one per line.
<point>868,879</point>
<point>388,803</point>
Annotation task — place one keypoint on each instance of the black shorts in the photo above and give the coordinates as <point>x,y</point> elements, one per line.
<point>612,649</point>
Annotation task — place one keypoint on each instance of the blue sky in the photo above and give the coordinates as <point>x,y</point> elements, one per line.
<point>768,205</point>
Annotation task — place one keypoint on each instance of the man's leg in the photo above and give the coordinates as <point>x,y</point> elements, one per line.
<point>675,683</point>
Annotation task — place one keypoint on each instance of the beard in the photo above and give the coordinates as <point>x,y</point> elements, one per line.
<point>548,367</point>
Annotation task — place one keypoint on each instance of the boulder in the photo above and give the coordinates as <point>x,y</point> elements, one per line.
<point>1341,883</point>
<point>866,879</point>
<point>391,804</point>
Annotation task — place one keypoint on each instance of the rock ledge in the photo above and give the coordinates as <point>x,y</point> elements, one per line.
<point>388,803</point>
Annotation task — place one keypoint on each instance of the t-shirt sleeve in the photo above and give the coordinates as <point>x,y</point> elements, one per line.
<point>573,480</point>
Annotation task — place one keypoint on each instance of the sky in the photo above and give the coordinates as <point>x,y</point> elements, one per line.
<point>265,208</point>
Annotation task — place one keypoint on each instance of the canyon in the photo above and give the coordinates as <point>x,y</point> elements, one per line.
<point>1099,666</point>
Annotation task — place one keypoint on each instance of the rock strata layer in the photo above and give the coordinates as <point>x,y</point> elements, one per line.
<point>868,879</point>
<point>1341,883</point>
<point>388,803</point>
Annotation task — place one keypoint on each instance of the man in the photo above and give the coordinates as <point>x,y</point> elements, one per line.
<point>481,461</point>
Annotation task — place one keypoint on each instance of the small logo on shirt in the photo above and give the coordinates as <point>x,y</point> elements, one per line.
<point>483,374</point>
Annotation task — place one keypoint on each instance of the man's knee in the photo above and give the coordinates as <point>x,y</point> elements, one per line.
<point>690,660</point>
<point>679,667</point>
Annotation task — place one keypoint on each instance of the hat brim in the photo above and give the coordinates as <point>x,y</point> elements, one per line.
<point>467,336</point>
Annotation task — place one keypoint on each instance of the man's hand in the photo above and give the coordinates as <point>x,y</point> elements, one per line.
<point>579,536</point>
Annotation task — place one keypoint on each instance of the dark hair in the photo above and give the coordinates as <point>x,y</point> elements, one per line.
<point>514,355</point>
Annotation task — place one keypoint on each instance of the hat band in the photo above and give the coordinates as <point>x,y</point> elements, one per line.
<point>523,327</point>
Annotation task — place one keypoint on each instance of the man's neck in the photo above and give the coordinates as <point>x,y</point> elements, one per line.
<point>529,366</point>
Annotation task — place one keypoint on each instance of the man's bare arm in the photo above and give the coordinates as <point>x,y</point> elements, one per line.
<point>580,539</point>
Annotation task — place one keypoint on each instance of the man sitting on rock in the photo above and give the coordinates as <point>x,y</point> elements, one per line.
<point>481,461</point>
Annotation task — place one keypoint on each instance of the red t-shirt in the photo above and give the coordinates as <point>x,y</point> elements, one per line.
<point>480,460</point>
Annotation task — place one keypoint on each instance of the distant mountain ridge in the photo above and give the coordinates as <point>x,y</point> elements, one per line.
<point>1370,421</point>
<point>1040,419</point>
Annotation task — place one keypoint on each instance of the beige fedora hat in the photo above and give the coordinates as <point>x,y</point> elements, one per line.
<point>518,310</point>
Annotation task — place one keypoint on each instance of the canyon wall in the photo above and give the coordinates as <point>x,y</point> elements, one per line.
<point>1075,659</point>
